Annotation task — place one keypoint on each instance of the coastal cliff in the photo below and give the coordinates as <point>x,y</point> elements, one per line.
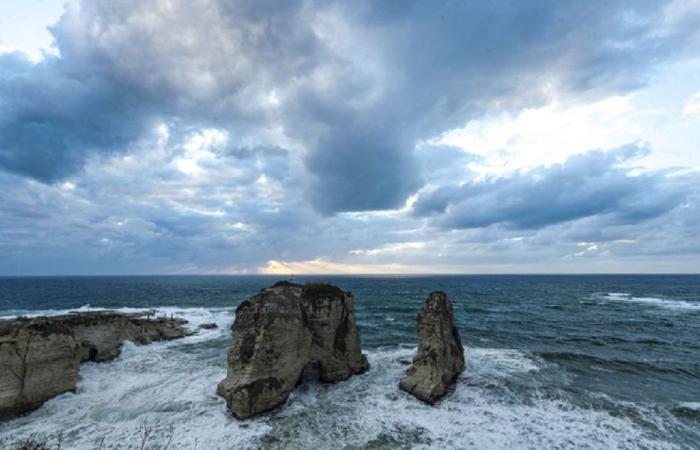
<point>280,332</point>
<point>40,357</point>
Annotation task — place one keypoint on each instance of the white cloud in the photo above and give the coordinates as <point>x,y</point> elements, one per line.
<point>200,148</point>
<point>692,107</point>
<point>394,248</point>
<point>544,136</point>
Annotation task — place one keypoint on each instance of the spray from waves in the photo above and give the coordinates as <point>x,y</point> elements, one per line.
<point>166,387</point>
<point>485,411</point>
<point>169,387</point>
<point>193,314</point>
<point>651,301</point>
<point>222,317</point>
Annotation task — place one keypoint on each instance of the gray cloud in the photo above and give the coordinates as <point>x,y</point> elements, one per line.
<point>444,64</point>
<point>201,63</point>
<point>585,185</point>
<point>355,87</point>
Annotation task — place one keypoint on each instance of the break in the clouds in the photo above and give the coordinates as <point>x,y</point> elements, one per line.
<point>316,136</point>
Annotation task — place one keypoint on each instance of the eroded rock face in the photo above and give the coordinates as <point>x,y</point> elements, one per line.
<point>40,357</point>
<point>440,356</point>
<point>281,331</point>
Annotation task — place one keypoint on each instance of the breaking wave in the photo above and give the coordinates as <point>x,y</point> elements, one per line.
<point>652,301</point>
<point>169,389</point>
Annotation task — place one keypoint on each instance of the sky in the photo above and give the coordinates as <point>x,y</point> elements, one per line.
<point>366,137</point>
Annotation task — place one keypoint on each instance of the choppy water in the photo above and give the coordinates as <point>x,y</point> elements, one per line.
<point>585,362</point>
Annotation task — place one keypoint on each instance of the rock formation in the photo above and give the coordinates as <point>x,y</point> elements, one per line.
<point>40,357</point>
<point>440,356</point>
<point>280,332</point>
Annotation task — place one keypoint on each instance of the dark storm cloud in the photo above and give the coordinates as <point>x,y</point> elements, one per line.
<point>585,185</point>
<point>357,85</point>
<point>447,62</point>
<point>50,121</point>
<point>361,169</point>
<point>126,66</point>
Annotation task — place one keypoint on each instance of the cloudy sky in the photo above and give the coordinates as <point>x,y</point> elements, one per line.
<point>255,136</point>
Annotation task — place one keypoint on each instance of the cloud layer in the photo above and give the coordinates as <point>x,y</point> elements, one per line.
<point>214,135</point>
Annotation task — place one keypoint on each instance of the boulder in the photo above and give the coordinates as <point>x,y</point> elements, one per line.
<point>208,326</point>
<point>40,357</point>
<point>440,356</point>
<point>282,331</point>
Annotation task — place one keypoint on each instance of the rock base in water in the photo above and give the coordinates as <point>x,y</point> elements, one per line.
<point>440,356</point>
<point>40,357</point>
<point>280,332</point>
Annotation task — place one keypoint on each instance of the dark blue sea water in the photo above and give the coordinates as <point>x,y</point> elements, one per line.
<point>552,362</point>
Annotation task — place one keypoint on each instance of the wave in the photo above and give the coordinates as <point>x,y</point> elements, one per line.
<point>651,301</point>
<point>222,317</point>
<point>170,388</point>
<point>618,365</point>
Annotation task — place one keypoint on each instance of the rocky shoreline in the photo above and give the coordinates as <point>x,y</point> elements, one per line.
<point>40,357</point>
<point>280,336</point>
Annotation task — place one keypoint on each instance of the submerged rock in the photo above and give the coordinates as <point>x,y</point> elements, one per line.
<point>40,357</point>
<point>208,326</point>
<point>282,331</point>
<point>440,356</point>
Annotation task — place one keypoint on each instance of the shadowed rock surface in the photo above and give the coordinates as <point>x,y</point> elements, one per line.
<point>440,356</point>
<point>280,332</point>
<point>40,357</point>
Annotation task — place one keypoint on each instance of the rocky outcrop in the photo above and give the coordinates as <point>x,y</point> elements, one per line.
<point>40,357</point>
<point>440,356</point>
<point>280,332</point>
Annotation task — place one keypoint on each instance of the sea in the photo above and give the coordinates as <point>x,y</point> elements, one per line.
<point>552,362</point>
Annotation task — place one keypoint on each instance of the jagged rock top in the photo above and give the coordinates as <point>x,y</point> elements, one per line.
<point>311,292</point>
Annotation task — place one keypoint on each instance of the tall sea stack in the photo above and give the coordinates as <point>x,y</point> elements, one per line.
<point>440,356</point>
<point>281,331</point>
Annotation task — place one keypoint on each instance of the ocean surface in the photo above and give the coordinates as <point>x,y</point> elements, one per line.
<point>553,362</point>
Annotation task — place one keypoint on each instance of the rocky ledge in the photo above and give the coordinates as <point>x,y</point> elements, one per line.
<point>282,331</point>
<point>440,356</point>
<point>40,357</point>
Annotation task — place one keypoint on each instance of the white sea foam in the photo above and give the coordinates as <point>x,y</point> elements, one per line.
<point>653,301</point>
<point>690,405</point>
<point>194,316</point>
<point>497,361</point>
<point>173,384</point>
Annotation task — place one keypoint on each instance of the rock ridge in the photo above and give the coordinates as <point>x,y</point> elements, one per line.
<point>40,357</point>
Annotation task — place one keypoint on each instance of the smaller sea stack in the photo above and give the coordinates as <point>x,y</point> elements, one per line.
<point>440,356</point>
<point>280,332</point>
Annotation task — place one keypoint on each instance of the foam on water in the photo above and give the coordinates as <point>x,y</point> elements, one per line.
<point>156,386</point>
<point>170,388</point>
<point>652,301</point>
<point>691,405</point>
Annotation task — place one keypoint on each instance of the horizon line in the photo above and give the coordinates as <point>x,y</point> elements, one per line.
<point>328,274</point>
